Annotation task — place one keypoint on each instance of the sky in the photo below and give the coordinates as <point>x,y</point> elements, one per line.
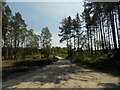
<point>38,15</point>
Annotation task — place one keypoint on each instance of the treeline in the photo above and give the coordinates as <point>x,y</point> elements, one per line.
<point>15,35</point>
<point>102,21</point>
<point>70,31</point>
<point>96,29</point>
<point>18,42</point>
<point>93,38</point>
<point>58,51</point>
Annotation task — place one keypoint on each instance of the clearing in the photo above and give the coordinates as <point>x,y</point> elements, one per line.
<point>63,74</point>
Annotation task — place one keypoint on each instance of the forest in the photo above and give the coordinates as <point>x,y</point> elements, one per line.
<point>92,39</point>
<point>23,48</point>
<point>19,42</point>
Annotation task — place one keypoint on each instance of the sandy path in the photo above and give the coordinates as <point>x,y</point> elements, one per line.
<point>63,74</point>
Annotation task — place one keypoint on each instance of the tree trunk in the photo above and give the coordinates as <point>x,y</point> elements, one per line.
<point>88,38</point>
<point>101,33</point>
<point>105,45</point>
<point>74,39</point>
<point>108,34</point>
<point>91,49</point>
<point>95,38</point>
<point>119,21</point>
<point>15,45</point>
<point>78,41</point>
<point>67,48</point>
<point>0,31</point>
<point>113,28</point>
<point>119,12</point>
<point>97,35</point>
<point>117,28</point>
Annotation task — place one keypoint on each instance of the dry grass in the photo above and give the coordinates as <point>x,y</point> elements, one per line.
<point>13,68</point>
<point>8,63</point>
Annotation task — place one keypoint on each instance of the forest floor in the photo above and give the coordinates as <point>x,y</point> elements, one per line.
<point>63,74</point>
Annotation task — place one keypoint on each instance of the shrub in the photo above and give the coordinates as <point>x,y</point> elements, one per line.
<point>108,62</point>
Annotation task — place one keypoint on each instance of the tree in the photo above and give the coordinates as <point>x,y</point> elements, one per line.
<point>77,31</point>
<point>0,30</point>
<point>15,37</point>
<point>104,17</point>
<point>19,26</point>
<point>6,19</point>
<point>66,32</point>
<point>32,40</point>
<point>45,38</point>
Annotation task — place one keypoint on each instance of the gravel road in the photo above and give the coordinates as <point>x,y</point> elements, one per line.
<point>63,74</point>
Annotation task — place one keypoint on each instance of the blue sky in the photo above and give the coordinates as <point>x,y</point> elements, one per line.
<point>38,15</point>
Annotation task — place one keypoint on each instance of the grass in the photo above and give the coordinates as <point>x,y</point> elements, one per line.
<point>16,68</point>
<point>26,57</point>
<point>62,55</point>
<point>108,62</point>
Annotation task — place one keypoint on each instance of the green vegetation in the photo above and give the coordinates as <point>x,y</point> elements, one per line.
<point>45,61</point>
<point>58,51</point>
<point>18,67</point>
<point>93,38</point>
<point>17,40</point>
<point>108,62</point>
<point>20,43</point>
<point>22,49</point>
<point>25,66</point>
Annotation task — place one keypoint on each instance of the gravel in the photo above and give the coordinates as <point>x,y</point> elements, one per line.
<point>63,74</point>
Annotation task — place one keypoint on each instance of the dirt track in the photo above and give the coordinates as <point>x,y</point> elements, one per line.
<point>63,74</point>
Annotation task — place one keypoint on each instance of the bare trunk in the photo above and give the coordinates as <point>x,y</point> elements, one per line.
<point>0,33</point>
<point>91,49</point>
<point>117,27</point>
<point>97,38</point>
<point>0,43</point>
<point>78,41</point>
<point>108,34</point>
<point>88,40</point>
<point>105,45</point>
<point>113,28</point>
<point>101,33</point>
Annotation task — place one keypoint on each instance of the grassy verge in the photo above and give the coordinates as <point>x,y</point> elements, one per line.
<point>108,63</point>
<point>62,55</point>
<point>20,67</point>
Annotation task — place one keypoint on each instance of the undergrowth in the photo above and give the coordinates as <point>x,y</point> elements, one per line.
<point>25,66</point>
<point>108,62</point>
